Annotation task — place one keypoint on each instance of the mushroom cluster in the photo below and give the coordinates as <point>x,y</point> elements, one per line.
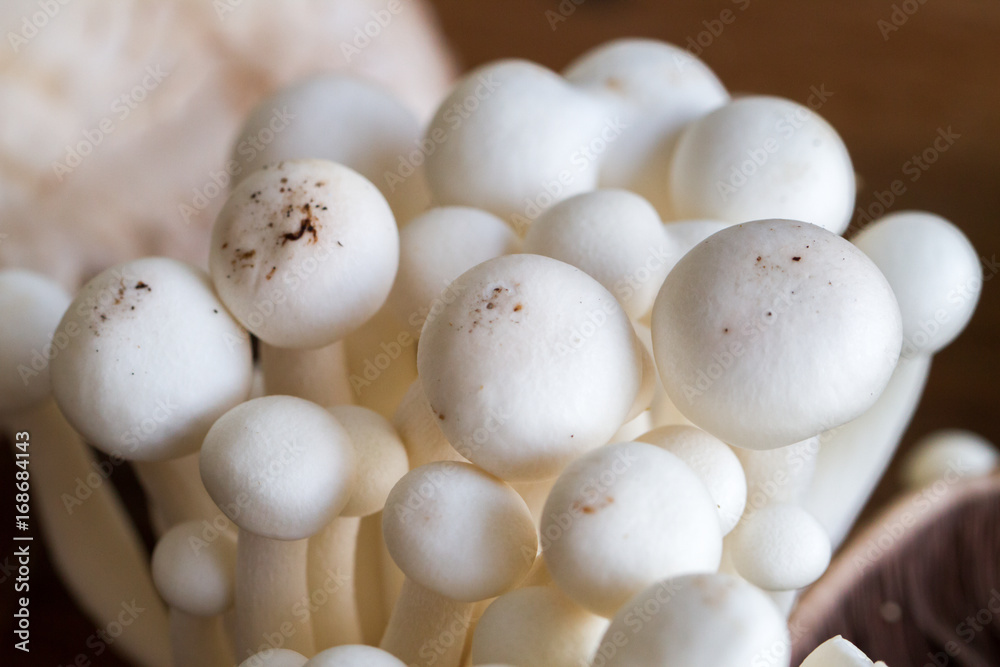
<point>587,376</point>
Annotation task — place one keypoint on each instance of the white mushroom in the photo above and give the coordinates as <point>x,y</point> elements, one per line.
<point>779,475</point>
<point>381,461</point>
<point>437,247</point>
<point>195,575</point>
<point>348,120</point>
<point>275,657</point>
<point>614,236</point>
<point>354,656</point>
<point>382,360</point>
<point>934,272</point>
<point>601,540</point>
<point>533,363</point>
<point>837,652</point>
<point>702,620</point>
<point>536,626</point>
<point>714,463</point>
<point>763,157</point>
<point>319,375</point>
<point>949,455</point>
<point>657,88</point>
<point>512,138</point>
<point>780,548</point>
<point>770,332</point>
<point>281,468</point>
<point>299,234</point>
<point>460,535</point>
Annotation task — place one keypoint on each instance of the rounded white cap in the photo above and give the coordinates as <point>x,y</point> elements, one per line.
<point>194,569</point>
<point>536,626</point>
<point>780,548</point>
<point>763,157</point>
<point>275,657</point>
<point>459,531</point>
<point>770,332</point>
<point>304,252</point>
<point>622,517</point>
<point>702,620</point>
<point>837,652</point>
<point>530,364</point>
<point>380,455</point>
<point>278,466</point>
<point>153,359</point>
<point>32,306</point>
<point>614,236</point>
<point>714,463</point>
<point>437,247</point>
<point>934,272</point>
<point>949,455</point>
<point>354,655</point>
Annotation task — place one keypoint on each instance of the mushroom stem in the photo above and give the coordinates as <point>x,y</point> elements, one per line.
<point>373,614</point>
<point>331,569</point>
<point>272,592</point>
<point>198,641</point>
<point>175,491</point>
<point>392,579</point>
<point>853,457</point>
<point>418,427</point>
<point>427,628</point>
<point>90,539</point>
<point>382,361</point>
<point>318,375</point>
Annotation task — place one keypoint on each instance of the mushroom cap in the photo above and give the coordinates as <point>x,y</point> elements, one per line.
<point>32,306</point>
<point>530,364</point>
<point>602,540</point>
<point>614,236</point>
<point>380,455</point>
<point>459,531</point>
<point>304,252</point>
<point>933,270</point>
<point>701,620</point>
<point>763,157</point>
<point>949,453</point>
<point>536,626</point>
<point>657,88</point>
<point>195,570</point>
<point>153,359</point>
<point>837,652</point>
<point>275,657</point>
<point>354,655</point>
<point>341,118</point>
<point>780,548</point>
<point>278,466</point>
<point>714,463</point>
<point>439,246</point>
<point>509,138</point>
<point>770,332</point>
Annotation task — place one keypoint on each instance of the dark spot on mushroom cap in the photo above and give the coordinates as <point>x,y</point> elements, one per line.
<point>270,273</point>
<point>320,184</point>
<point>225,245</point>
<point>489,306</point>
<point>441,417</point>
<point>142,285</point>
<point>284,180</point>
<point>517,308</point>
<point>795,259</point>
<point>726,330</point>
<point>758,258</point>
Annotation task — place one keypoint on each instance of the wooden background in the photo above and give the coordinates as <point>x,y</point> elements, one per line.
<point>891,94</point>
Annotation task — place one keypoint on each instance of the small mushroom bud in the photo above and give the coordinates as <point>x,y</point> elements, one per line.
<point>356,655</point>
<point>275,657</point>
<point>769,332</point>
<point>837,652</point>
<point>949,455</point>
<point>780,548</point>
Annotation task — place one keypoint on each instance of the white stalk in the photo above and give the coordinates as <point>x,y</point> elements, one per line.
<point>427,628</point>
<point>373,615</point>
<point>198,641</point>
<point>319,375</point>
<point>331,569</point>
<point>175,491</point>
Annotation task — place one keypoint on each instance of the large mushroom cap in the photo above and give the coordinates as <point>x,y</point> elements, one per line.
<point>278,466</point>
<point>194,569</point>
<point>354,655</point>
<point>622,517</point>
<point>153,359</point>
<point>32,306</point>
<point>770,332</point>
<point>531,363</point>
<point>780,548</point>
<point>304,252</point>
<point>459,531</point>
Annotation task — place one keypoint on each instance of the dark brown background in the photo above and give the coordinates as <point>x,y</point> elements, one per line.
<point>890,96</point>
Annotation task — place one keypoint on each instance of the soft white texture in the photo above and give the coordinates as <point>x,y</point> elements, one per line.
<point>934,272</point>
<point>622,517</point>
<point>837,652</point>
<point>195,570</point>
<point>275,657</point>
<point>769,332</point>
<point>780,548</point>
<point>530,364</point>
<point>763,157</point>
<point>380,455</point>
<point>304,252</point>
<point>356,655</point>
<point>153,360</point>
<point>949,455</point>
<point>779,475</point>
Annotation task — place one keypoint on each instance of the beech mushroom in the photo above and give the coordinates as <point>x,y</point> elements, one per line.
<point>195,575</point>
<point>780,548</point>
<point>782,300</point>
<point>763,157</point>
<point>601,542</point>
<point>281,468</point>
<point>275,657</point>
<point>354,656</point>
<point>460,535</point>
<point>779,475</point>
<point>837,652</point>
<point>510,366</point>
<point>949,455</point>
